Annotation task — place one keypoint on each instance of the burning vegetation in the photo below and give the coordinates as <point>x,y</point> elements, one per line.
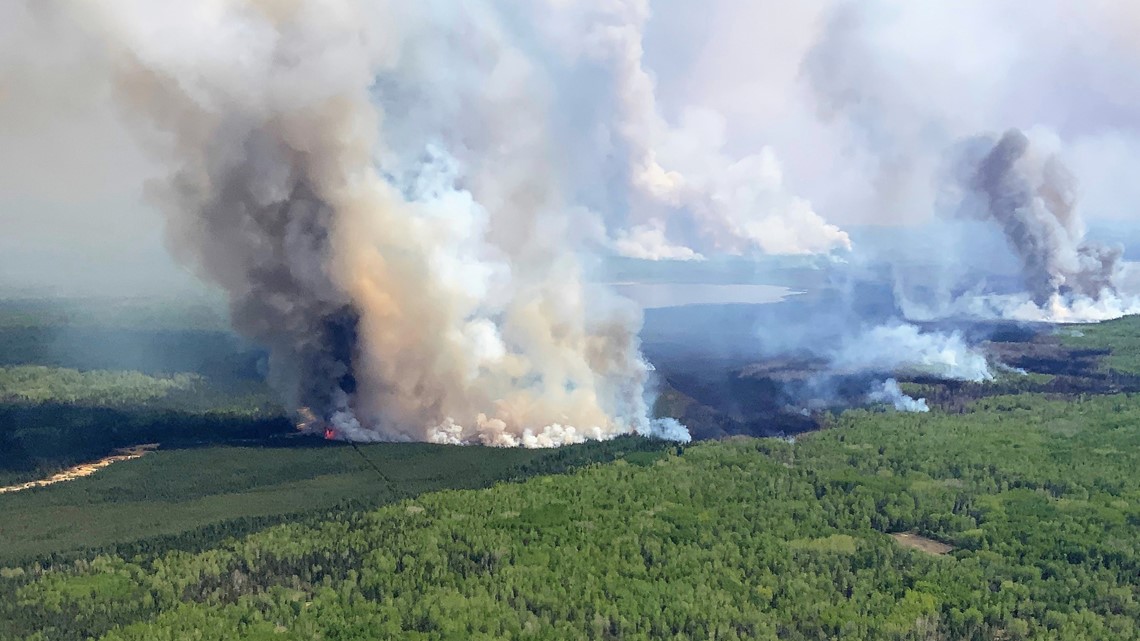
<point>787,396</point>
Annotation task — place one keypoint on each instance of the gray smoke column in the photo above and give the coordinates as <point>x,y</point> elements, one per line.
<point>1032,198</point>
<point>430,294</point>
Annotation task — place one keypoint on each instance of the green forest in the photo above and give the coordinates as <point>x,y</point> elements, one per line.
<point>748,538</point>
<point>80,379</point>
<point>1009,512</point>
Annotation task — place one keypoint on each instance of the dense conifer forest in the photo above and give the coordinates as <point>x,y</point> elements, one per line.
<point>1011,511</point>
<point>751,538</point>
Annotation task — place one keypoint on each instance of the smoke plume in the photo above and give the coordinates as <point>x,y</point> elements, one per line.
<point>682,175</point>
<point>890,392</point>
<point>411,279</point>
<point>406,201</point>
<point>903,348</point>
<point>1032,199</point>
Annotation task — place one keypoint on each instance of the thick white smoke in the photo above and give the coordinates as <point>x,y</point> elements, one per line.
<point>903,348</point>
<point>399,196</point>
<point>889,392</point>
<point>391,228</point>
<point>683,177</point>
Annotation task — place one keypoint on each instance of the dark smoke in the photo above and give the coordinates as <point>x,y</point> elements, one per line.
<point>1033,201</point>
<point>281,295</point>
<point>399,299</point>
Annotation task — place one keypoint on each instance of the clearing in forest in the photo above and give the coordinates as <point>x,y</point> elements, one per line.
<point>916,541</point>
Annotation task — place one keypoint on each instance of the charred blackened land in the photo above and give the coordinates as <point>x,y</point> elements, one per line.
<point>1048,360</point>
<point>787,396</point>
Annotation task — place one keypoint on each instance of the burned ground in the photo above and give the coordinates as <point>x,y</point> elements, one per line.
<point>727,396</point>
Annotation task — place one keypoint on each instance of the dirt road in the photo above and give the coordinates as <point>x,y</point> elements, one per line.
<point>85,469</point>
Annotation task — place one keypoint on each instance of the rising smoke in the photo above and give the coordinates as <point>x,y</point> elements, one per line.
<point>890,393</point>
<point>904,348</point>
<point>1032,199</point>
<point>905,90</point>
<point>404,201</point>
<point>682,175</point>
<point>420,289</point>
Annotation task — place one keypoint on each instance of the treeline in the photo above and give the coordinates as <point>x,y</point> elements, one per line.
<point>32,384</point>
<point>731,540</point>
<point>180,313</point>
<point>79,378</point>
<point>51,418</point>
<point>36,439</point>
<point>205,495</point>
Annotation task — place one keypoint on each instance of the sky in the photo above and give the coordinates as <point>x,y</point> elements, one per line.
<point>780,112</point>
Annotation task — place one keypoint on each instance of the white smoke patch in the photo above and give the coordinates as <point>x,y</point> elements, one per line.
<point>889,392</point>
<point>1020,307</point>
<point>494,433</point>
<point>648,242</point>
<point>742,203</point>
<point>1076,310</point>
<point>903,348</point>
<point>668,429</point>
<point>736,203</point>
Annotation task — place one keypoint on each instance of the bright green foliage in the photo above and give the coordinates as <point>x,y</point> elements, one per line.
<point>1121,337</point>
<point>38,384</point>
<point>195,497</point>
<point>743,539</point>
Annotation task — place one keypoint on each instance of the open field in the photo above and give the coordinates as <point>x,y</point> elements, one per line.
<point>916,541</point>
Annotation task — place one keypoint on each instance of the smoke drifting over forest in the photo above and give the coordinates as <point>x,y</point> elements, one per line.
<point>406,202</point>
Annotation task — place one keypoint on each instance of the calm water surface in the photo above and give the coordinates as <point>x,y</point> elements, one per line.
<point>657,295</point>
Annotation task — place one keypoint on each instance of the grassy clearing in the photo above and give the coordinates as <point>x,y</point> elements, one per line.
<point>916,541</point>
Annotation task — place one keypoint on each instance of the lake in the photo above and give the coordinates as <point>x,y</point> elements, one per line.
<point>659,295</point>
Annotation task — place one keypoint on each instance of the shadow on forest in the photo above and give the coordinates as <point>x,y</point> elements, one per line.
<point>53,435</point>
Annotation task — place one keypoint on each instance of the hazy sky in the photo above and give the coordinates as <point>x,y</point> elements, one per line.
<point>72,213</point>
<point>855,102</point>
